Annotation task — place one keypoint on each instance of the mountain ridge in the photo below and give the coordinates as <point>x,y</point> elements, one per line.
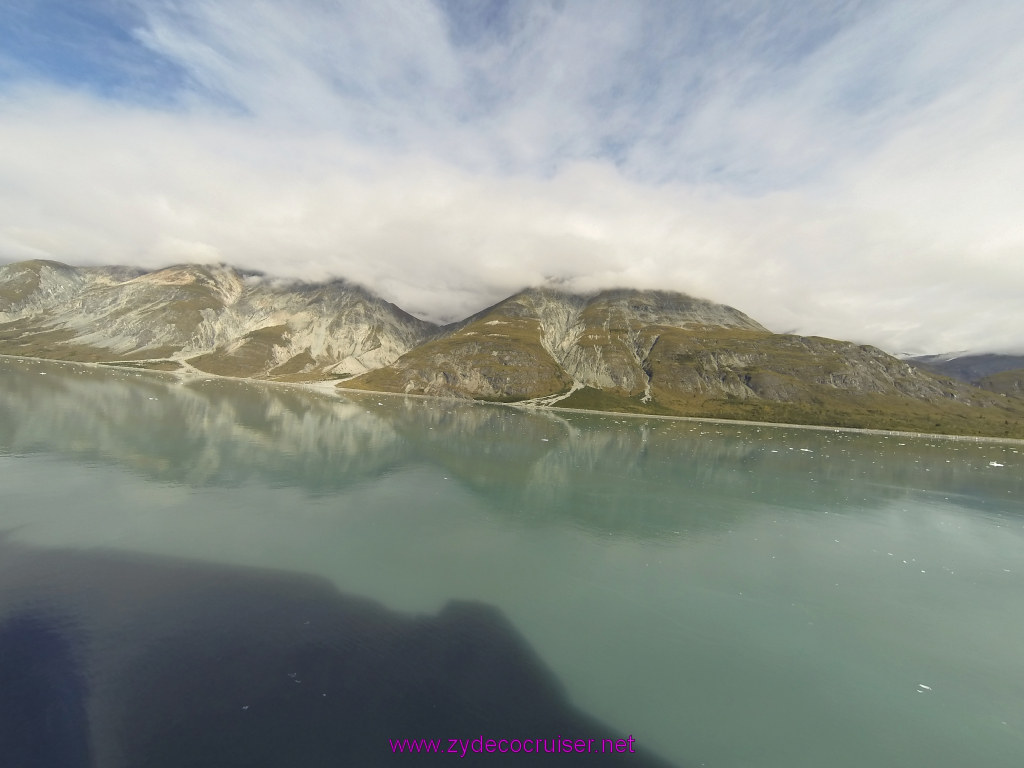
<point>628,350</point>
<point>1001,373</point>
<point>216,319</point>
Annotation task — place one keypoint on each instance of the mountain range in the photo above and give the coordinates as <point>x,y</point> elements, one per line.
<point>998,373</point>
<point>624,350</point>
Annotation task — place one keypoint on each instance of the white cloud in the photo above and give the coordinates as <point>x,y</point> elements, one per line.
<point>852,173</point>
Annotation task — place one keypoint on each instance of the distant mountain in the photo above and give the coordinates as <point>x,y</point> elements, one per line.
<point>634,351</point>
<point>1005,382</point>
<point>214,319</point>
<point>996,373</point>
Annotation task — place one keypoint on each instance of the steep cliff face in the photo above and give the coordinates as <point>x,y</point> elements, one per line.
<point>216,319</point>
<point>28,287</point>
<point>619,329</point>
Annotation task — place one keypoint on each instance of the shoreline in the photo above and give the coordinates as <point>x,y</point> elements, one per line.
<point>337,388</point>
<point>705,419</point>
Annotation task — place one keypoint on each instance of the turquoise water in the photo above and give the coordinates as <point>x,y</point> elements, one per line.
<point>730,596</point>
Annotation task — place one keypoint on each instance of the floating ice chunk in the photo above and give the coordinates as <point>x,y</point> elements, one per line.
<point>923,687</point>
<point>995,464</point>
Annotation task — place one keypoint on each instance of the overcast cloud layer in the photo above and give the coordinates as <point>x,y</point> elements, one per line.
<point>853,170</point>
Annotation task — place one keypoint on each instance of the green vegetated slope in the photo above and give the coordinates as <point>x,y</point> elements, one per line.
<point>249,356</point>
<point>800,380</point>
<point>1004,382</point>
<point>496,356</point>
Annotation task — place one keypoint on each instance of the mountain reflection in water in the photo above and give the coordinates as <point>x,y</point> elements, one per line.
<point>223,433</point>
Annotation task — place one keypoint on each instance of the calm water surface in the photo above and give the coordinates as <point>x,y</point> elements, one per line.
<point>222,573</point>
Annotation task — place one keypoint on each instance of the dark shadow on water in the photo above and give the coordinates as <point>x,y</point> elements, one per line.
<point>111,661</point>
<point>43,720</point>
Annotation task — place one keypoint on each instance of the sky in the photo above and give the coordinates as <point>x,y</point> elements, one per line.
<point>845,169</point>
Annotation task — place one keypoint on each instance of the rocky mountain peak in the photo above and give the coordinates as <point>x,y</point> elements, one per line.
<point>221,280</point>
<point>27,286</point>
<point>211,317</point>
<point>668,308</point>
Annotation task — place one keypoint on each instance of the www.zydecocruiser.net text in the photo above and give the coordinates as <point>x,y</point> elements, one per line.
<point>480,745</point>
